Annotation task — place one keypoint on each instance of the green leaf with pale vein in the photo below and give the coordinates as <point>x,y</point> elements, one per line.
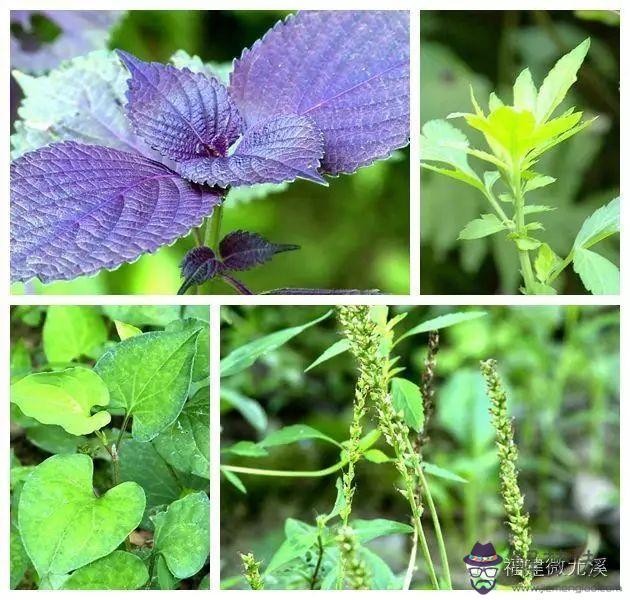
<point>406,397</point>
<point>559,80</point>
<point>201,365</point>
<point>116,571</point>
<point>443,321</point>
<point>149,376</point>
<point>487,225</point>
<point>63,525</point>
<point>335,349</point>
<point>604,222</point>
<point>182,534</point>
<point>186,443</point>
<point>245,356</point>
<point>598,274</point>
<point>65,398</point>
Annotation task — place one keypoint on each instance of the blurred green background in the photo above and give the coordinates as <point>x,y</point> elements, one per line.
<point>488,49</point>
<point>353,234</point>
<point>561,368</point>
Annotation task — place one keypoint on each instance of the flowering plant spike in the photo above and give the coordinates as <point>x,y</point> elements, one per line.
<point>322,93</point>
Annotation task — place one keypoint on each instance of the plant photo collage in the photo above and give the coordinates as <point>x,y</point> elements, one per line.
<point>273,298</point>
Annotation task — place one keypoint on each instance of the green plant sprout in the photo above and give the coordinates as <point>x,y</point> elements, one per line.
<point>517,136</point>
<point>110,432</point>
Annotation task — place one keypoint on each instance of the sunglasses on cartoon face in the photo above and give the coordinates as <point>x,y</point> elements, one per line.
<point>489,572</point>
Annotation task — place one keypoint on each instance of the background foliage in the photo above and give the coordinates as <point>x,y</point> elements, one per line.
<point>353,234</point>
<point>488,50</point>
<point>561,366</point>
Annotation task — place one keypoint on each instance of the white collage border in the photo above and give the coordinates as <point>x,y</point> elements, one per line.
<point>415,6</point>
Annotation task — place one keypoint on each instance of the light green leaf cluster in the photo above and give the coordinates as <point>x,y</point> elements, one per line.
<point>517,136</point>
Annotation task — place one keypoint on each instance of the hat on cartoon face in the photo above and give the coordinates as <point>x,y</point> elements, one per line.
<point>483,555</point>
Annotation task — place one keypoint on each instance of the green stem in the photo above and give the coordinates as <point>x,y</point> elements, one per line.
<point>519,213</point>
<point>213,228</point>
<point>421,537</point>
<point>436,527</point>
<point>274,473</point>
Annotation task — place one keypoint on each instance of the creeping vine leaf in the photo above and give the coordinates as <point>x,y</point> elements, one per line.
<point>182,534</point>
<point>149,375</point>
<point>186,443</point>
<point>63,525</point>
<point>64,398</point>
<point>71,332</point>
<point>116,571</point>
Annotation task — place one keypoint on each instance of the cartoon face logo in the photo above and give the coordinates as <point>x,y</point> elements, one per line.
<point>482,564</point>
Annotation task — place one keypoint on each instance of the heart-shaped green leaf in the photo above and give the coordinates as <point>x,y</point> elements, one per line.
<point>72,331</point>
<point>182,534</point>
<point>63,398</point>
<point>116,571</point>
<point>63,525</point>
<point>149,375</point>
<point>185,445</point>
<point>201,364</point>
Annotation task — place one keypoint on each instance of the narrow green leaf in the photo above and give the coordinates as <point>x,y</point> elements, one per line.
<point>479,228</point>
<point>406,397</point>
<point>367,530</point>
<point>558,81</point>
<point>537,208</point>
<point>546,262</point>
<point>436,471</point>
<point>292,434</point>
<point>442,321</point>
<point>524,242</point>
<point>597,273</point>
<point>337,348</point>
<point>538,181</point>
<point>525,92</point>
<point>376,456</point>
<point>246,448</point>
<point>234,480</point>
<point>245,356</point>
<point>64,398</point>
<point>251,410</point>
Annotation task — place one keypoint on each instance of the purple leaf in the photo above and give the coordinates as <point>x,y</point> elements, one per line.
<point>199,265</point>
<point>76,209</point>
<point>181,114</point>
<point>278,150</point>
<point>347,70</point>
<point>242,250</point>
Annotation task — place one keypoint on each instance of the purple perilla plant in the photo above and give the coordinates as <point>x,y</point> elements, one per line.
<point>321,94</point>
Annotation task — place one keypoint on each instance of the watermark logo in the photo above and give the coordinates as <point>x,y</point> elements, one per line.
<point>483,567</point>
